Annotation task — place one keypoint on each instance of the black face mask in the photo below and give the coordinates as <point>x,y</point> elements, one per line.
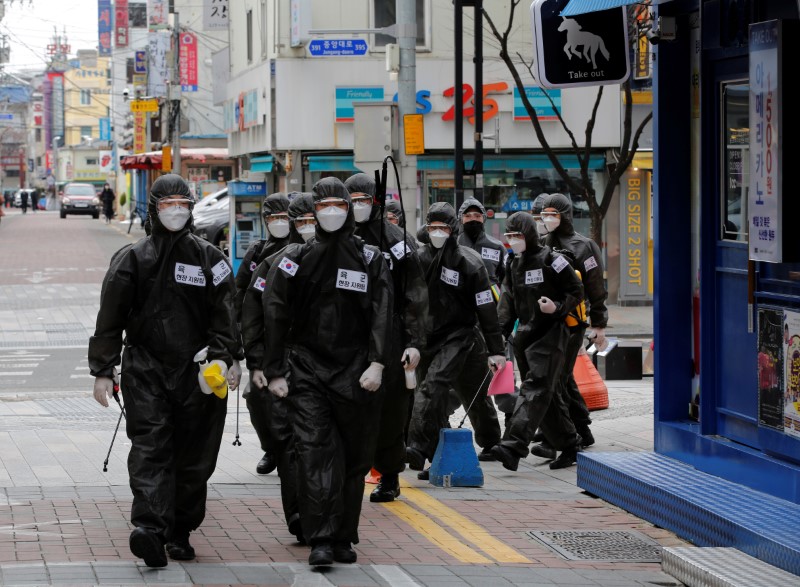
<point>473,228</point>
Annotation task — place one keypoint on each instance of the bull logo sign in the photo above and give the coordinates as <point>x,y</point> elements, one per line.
<point>583,50</point>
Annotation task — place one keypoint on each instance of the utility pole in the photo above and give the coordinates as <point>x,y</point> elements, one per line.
<point>175,97</point>
<point>406,11</point>
<point>477,166</point>
<point>458,25</point>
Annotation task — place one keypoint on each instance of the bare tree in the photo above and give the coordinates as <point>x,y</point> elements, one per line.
<point>628,145</point>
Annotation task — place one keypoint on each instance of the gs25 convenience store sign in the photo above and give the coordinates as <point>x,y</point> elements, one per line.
<point>347,97</point>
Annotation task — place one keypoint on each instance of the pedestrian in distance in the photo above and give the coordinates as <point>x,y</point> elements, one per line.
<point>108,199</point>
<point>409,315</point>
<point>164,298</point>
<point>275,214</point>
<point>540,291</point>
<point>463,340</point>
<point>585,256</point>
<point>275,412</point>
<point>23,199</point>
<point>329,310</point>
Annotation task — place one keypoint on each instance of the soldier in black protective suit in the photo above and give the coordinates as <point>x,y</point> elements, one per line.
<point>460,299</point>
<point>410,313</point>
<point>394,213</point>
<point>171,294</point>
<point>540,290</point>
<point>275,411</point>
<point>585,256</point>
<point>276,218</point>
<point>329,310</point>
<point>472,216</point>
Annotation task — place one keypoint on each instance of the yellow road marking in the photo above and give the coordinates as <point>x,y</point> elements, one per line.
<point>435,533</point>
<point>473,532</point>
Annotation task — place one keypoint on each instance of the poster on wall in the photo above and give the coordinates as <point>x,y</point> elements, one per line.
<point>770,368</point>
<point>791,352</point>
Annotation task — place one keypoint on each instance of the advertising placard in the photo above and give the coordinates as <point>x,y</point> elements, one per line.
<point>346,97</point>
<point>215,15</point>
<point>187,62</point>
<point>634,238</point>
<point>139,132</point>
<point>157,11</point>
<point>158,71</point>
<point>104,27</point>
<point>791,353</point>
<point>770,368</point>
<point>538,99</point>
<point>121,23</point>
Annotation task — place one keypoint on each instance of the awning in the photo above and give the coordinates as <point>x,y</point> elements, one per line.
<point>509,163</point>
<point>152,159</point>
<point>332,163</point>
<point>261,164</point>
<point>576,7</point>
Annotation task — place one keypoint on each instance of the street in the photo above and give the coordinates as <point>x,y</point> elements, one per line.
<point>63,520</point>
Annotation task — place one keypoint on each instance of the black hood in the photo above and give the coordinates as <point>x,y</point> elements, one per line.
<point>170,184</point>
<point>301,204</point>
<point>422,236</point>
<point>274,203</point>
<point>564,206</point>
<point>331,187</point>
<point>444,212</point>
<point>536,207</point>
<point>471,203</point>
<point>393,206</point>
<point>365,184</point>
<point>524,223</point>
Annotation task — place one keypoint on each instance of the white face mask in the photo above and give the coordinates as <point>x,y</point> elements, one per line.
<point>307,231</point>
<point>331,218</point>
<point>362,212</point>
<point>438,238</point>
<point>278,228</point>
<point>551,223</point>
<point>541,229</point>
<point>174,218</point>
<point>517,245</point>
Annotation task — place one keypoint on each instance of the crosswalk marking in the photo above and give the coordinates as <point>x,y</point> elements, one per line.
<point>18,365</point>
<point>82,376</point>
<point>15,373</point>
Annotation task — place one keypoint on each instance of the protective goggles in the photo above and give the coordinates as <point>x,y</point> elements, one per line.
<point>444,227</point>
<point>170,201</point>
<point>305,221</point>
<point>330,203</point>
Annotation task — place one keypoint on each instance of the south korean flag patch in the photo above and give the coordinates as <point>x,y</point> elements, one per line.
<point>288,266</point>
<point>368,254</point>
<point>260,283</point>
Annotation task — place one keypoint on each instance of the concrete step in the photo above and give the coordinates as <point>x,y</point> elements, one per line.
<point>722,567</point>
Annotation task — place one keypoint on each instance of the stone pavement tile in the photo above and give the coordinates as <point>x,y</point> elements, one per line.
<point>256,574</point>
<point>202,573</point>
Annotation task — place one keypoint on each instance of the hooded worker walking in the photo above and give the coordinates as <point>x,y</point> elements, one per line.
<point>329,311</point>
<point>165,298</point>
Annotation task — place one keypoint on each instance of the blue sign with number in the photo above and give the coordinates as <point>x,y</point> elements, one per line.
<point>337,47</point>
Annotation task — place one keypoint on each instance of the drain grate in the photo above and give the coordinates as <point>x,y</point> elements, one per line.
<point>601,545</point>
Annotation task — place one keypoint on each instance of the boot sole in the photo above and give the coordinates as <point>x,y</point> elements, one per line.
<point>148,547</point>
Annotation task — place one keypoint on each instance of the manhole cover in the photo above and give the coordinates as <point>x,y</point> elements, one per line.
<point>601,545</point>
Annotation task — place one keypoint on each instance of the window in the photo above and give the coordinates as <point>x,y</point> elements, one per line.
<point>129,70</point>
<point>86,131</point>
<point>86,97</point>
<point>384,14</point>
<point>91,161</point>
<point>249,36</point>
<point>137,16</point>
<point>38,135</point>
<point>736,161</point>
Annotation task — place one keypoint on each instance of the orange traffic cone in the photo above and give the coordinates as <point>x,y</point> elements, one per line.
<point>374,477</point>
<point>591,385</point>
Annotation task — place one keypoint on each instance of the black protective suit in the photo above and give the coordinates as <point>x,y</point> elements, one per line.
<point>328,307</point>
<point>473,235</point>
<point>255,254</point>
<point>410,312</point>
<point>274,411</point>
<point>171,294</point>
<point>456,356</point>
<point>586,257</point>
<point>541,339</point>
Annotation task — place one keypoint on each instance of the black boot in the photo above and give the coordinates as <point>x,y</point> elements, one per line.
<point>267,464</point>
<point>146,544</point>
<point>543,450</point>
<point>507,457</point>
<point>321,554</point>
<point>388,489</point>
<point>343,553</point>
<point>486,455</point>
<point>586,436</point>
<point>179,548</point>
<point>567,458</point>
<point>424,475</point>
<point>415,459</point>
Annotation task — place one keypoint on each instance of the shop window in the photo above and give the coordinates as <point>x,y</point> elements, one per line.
<point>86,97</point>
<point>384,14</point>
<point>736,161</point>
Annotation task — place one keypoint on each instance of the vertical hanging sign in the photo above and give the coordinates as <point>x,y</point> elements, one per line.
<point>139,132</point>
<point>188,62</point>
<point>215,15</point>
<point>104,27</point>
<point>157,70</point>
<point>121,23</point>
<point>157,15</point>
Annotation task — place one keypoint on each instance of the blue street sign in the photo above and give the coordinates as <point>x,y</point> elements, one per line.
<point>6,116</point>
<point>140,62</point>
<point>337,47</point>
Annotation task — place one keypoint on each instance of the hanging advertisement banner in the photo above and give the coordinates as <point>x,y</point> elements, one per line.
<point>121,23</point>
<point>215,15</point>
<point>158,72</point>
<point>187,62</point>
<point>104,27</point>
<point>157,11</point>
<point>139,132</point>
<point>106,162</point>
<point>634,238</point>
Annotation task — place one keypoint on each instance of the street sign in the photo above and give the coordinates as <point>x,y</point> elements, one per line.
<point>140,62</point>
<point>414,134</point>
<point>6,116</point>
<point>150,105</point>
<point>337,47</point>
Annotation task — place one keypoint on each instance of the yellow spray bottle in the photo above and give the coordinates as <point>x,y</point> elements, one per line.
<point>212,375</point>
